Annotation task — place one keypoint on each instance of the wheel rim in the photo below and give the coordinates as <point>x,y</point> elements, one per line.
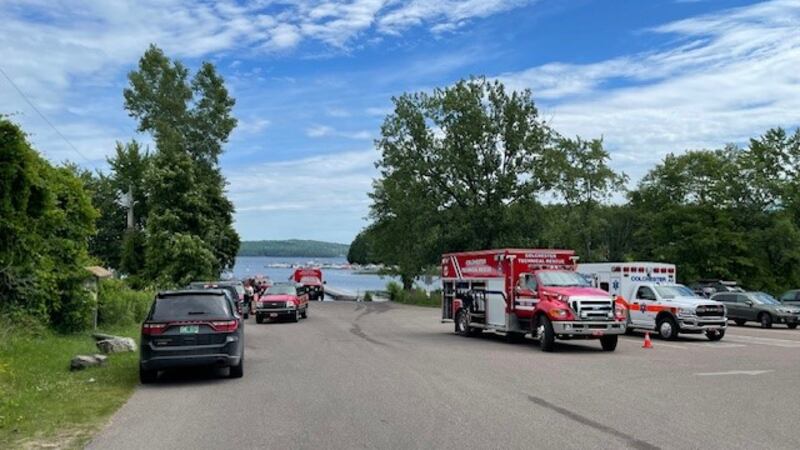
<point>666,329</point>
<point>764,320</point>
<point>462,322</point>
<point>539,330</point>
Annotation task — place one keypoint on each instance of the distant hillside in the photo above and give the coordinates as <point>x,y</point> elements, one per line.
<point>293,247</point>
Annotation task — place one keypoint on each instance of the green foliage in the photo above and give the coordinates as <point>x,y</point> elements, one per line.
<point>189,224</point>
<point>46,221</point>
<point>367,296</point>
<point>461,169</point>
<point>394,289</point>
<point>118,304</point>
<point>418,297</point>
<point>293,247</point>
<point>361,250</point>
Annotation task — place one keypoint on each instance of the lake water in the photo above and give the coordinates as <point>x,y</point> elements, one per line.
<point>249,266</point>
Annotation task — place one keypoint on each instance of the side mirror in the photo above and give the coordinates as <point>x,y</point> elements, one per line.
<point>748,303</point>
<point>324,282</point>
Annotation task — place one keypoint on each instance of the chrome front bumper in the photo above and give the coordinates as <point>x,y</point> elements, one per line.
<point>588,328</point>
<point>702,324</point>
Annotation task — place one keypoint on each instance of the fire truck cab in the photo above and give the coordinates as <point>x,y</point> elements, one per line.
<point>520,291</point>
<point>311,280</point>
<point>655,302</point>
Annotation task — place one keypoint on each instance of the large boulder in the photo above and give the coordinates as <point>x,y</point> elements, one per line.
<point>117,345</point>
<point>81,362</point>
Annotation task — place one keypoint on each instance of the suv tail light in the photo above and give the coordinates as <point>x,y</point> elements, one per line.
<point>225,326</point>
<point>153,329</point>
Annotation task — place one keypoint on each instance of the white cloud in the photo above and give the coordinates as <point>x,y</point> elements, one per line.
<point>254,125</point>
<point>445,15</point>
<point>320,131</point>
<point>729,76</point>
<point>321,196</point>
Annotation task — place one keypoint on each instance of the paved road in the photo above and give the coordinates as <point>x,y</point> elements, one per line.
<point>385,376</point>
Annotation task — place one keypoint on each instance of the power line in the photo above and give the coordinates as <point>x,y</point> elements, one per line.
<point>22,94</point>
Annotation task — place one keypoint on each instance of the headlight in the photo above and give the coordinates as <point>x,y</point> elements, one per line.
<point>686,312</point>
<point>290,305</point>
<point>558,313</point>
<point>620,312</point>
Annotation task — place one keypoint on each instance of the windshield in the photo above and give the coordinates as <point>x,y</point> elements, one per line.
<point>562,278</point>
<point>282,289</point>
<point>191,308</point>
<point>674,291</point>
<point>765,299</point>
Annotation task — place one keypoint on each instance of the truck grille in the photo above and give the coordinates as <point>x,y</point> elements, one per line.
<point>593,309</point>
<point>273,305</point>
<point>710,311</point>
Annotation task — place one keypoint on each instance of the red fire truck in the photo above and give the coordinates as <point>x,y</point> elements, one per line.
<point>311,279</point>
<point>520,291</point>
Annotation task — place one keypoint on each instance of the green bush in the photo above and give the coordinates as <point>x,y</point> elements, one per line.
<point>394,289</point>
<point>120,305</point>
<point>367,296</point>
<point>418,297</point>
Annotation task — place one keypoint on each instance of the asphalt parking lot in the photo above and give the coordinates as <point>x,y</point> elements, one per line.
<point>360,375</point>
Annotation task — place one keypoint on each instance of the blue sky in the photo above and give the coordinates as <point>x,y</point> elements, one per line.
<point>313,80</point>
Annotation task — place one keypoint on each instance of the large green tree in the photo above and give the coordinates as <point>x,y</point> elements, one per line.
<point>46,221</point>
<point>189,227</point>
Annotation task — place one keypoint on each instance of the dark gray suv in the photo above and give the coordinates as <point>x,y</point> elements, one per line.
<point>790,298</point>
<point>757,307</point>
<point>191,328</point>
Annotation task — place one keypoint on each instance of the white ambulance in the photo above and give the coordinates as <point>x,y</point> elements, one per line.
<point>655,301</point>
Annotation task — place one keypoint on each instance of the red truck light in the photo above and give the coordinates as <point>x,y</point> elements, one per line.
<point>225,326</point>
<point>153,329</point>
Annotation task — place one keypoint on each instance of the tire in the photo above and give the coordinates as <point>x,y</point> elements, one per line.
<point>147,376</point>
<point>739,322</point>
<point>714,336</point>
<point>547,336</point>
<point>237,371</point>
<point>462,327</point>
<point>259,318</point>
<point>296,316</point>
<point>765,319</point>
<point>246,316</point>
<point>792,326</point>
<point>668,329</point>
<point>304,314</point>
<point>609,343</point>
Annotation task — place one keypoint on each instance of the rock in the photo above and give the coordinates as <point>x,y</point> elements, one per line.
<point>102,336</point>
<point>117,345</point>
<point>81,362</point>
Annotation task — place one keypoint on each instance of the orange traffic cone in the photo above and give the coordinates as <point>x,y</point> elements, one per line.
<point>647,342</point>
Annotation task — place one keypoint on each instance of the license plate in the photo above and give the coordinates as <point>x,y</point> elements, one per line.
<point>597,333</point>
<point>190,329</point>
<point>273,315</point>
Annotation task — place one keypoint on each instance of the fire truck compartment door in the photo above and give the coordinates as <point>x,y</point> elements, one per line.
<point>495,309</point>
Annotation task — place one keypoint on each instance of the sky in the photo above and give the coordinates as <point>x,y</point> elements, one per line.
<point>313,81</point>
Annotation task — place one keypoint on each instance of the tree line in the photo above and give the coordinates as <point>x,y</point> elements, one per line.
<point>472,166</point>
<point>159,217</point>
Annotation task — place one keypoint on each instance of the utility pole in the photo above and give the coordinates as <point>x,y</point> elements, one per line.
<point>128,203</point>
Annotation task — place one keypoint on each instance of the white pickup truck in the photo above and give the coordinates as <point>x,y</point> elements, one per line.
<point>655,302</point>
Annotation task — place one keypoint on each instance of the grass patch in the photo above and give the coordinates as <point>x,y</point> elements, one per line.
<point>416,297</point>
<point>42,403</point>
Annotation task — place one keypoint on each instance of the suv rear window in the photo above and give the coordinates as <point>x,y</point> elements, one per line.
<point>191,307</point>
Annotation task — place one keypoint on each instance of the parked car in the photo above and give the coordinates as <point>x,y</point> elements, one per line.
<point>707,288</point>
<point>758,307</point>
<point>233,287</point>
<point>790,298</point>
<point>191,328</point>
<point>282,301</point>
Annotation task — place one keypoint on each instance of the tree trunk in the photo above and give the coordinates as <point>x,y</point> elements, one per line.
<point>408,282</point>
